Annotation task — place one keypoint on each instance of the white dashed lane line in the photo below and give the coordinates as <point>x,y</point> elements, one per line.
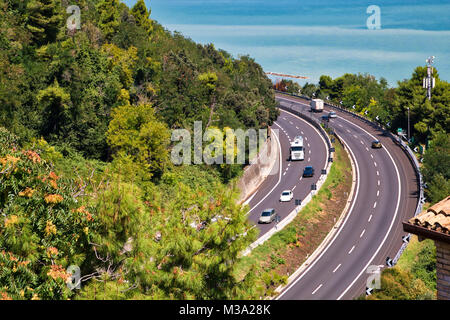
<point>378,193</point>
<point>317,289</point>
<point>337,268</point>
<point>375,205</point>
<point>351,250</point>
<point>362,233</point>
<point>370,218</point>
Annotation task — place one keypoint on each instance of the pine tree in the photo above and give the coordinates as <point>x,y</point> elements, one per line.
<point>43,20</point>
<point>142,16</point>
<point>109,19</point>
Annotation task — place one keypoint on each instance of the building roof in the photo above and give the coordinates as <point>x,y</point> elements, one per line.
<point>435,220</point>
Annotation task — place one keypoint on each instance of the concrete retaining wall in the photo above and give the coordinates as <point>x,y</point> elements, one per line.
<point>258,170</point>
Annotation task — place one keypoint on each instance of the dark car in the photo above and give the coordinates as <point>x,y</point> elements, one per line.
<point>308,172</point>
<point>376,144</point>
<point>326,117</point>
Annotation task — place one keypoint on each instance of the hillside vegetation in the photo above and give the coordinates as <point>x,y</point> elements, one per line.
<point>85,139</point>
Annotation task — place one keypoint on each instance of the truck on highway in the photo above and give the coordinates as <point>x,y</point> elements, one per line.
<point>297,151</point>
<point>317,105</point>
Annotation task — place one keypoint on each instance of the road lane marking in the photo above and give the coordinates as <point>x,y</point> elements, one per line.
<point>370,218</point>
<point>378,173</point>
<point>251,198</point>
<point>351,250</point>
<point>341,227</point>
<point>367,149</point>
<point>375,164</point>
<point>392,221</point>
<point>280,159</point>
<point>294,188</point>
<point>337,268</point>
<point>317,289</point>
<point>362,233</point>
<point>371,156</point>
<point>378,193</point>
<point>379,182</point>
<point>375,205</point>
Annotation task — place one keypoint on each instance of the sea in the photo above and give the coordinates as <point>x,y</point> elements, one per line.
<point>311,38</point>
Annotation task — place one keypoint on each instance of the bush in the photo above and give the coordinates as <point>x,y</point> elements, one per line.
<point>43,229</point>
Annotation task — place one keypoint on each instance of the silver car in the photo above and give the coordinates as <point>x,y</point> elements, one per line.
<point>267,216</point>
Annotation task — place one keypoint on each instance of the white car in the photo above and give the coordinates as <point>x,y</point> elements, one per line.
<point>286,196</point>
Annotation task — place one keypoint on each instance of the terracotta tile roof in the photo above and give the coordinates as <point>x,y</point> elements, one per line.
<point>436,218</point>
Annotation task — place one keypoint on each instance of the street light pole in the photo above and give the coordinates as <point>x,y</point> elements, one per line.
<point>429,81</point>
<point>409,127</point>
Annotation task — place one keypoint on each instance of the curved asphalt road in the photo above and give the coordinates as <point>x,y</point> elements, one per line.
<point>386,193</point>
<point>290,177</point>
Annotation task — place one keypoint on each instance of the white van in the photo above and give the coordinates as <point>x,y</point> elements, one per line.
<point>297,151</point>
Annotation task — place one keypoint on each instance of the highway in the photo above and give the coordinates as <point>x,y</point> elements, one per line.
<point>289,177</point>
<point>386,193</point>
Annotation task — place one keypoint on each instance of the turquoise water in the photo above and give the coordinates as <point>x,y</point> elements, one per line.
<point>311,38</point>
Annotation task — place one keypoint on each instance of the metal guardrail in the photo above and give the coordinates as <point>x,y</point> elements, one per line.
<point>409,153</point>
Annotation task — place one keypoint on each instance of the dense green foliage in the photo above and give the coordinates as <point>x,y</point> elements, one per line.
<point>43,230</point>
<point>414,278</point>
<point>63,86</point>
<point>85,176</point>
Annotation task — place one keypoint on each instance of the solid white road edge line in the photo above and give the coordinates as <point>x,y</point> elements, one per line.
<point>392,222</point>
<point>350,211</point>
<point>279,176</point>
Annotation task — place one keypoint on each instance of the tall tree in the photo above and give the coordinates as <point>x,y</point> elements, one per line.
<point>135,131</point>
<point>109,17</point>
<point>142,16</point>
<point>44,19</point>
